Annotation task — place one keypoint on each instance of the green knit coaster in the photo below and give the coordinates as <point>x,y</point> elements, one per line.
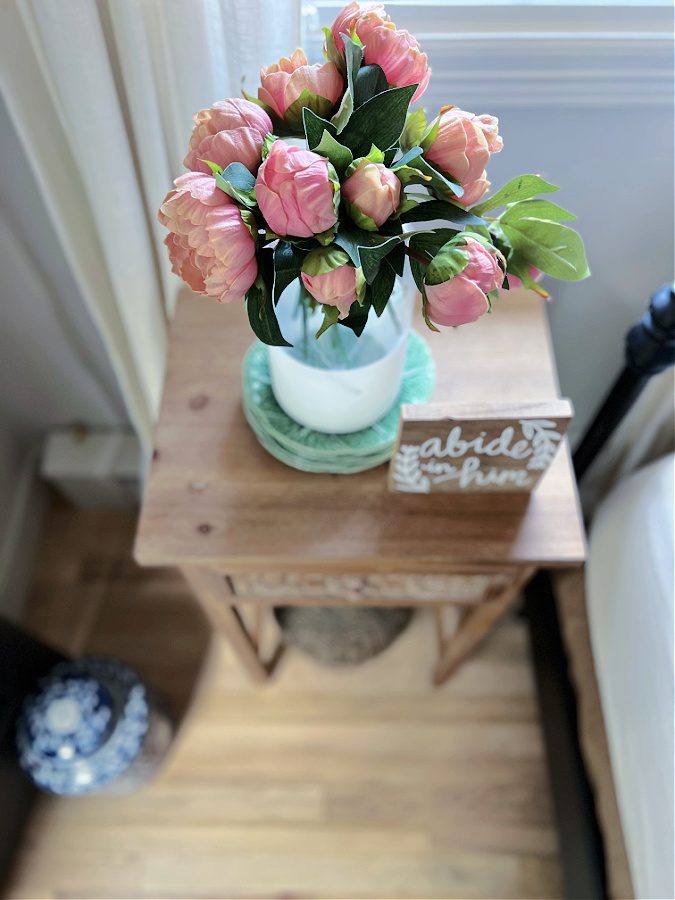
<point>313,451</point>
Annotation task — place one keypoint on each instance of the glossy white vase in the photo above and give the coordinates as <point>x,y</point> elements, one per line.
<point>340,383</point>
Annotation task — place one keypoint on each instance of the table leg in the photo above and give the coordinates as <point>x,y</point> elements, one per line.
<point>476,624</point>
<point>215,599</point>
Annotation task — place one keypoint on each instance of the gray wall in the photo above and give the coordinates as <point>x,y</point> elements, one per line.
<point>616,168</point>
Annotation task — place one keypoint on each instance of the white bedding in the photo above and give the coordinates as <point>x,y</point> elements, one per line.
<point>630,596</point>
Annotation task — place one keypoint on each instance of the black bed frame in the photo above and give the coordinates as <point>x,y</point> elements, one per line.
<point>650,349</point>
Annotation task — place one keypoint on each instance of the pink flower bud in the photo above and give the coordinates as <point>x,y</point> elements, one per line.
<point>230,131</point>
<point>209,245</point>
<point>474,191</point>
<point>282,83</point>
<point>399,56</point>
<point>372,194</point>
<point>331,279</point>
<point>394,50</point>
<point>361,18</point>
<point>462,148</point>
<point>463,298</point>
<point>296,191</point>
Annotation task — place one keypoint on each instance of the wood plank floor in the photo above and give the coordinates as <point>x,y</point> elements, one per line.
<point>363,783</point>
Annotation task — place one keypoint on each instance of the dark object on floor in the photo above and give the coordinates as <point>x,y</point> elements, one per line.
<point>650,348</point>
<point>23,661</point>
<point>341,636</point>
<point>92,725</point>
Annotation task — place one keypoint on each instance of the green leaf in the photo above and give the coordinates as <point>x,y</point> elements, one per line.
<point>340,156</point>
<point>287,264</point>
<point>450,260</point>
<point>430,134</point>
<point>520,268</point>
<point>550,246</point>
<point>239,176</point>
<point>407,157</point>
<point>418,271</point>
<point>250,221</point>
<point>331,52</point>
<point>418,275</point>
<point>431,178</point>
<point>425,315</point>
<point>358,217</point>
<point>383,285</point>
<point>379,121</point>
<point>428,243</point>
<point>315,127</point>
<point>292,122</point>
<point>369,82</point>
<point>392,226</point>
<point>440,209</point>
<point>396,259</point>
<point>389,155</point>
<point>365,249</point>
<point>330,317</point>
<point>353,60</point>
<point>215,168</point>
<point>357,318</point>
<point>260,306</point>
<point>521,188</point>
<point>415,126</point>
<point>267,145</point>
<point>237,182</point>
<point>538,209</point>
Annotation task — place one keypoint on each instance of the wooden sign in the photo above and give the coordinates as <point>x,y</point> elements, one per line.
<point>467,448</point>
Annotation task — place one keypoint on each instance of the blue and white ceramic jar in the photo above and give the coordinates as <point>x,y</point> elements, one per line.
<point>92,725</point>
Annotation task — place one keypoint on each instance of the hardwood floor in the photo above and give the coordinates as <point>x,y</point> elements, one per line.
<point>364,783</point>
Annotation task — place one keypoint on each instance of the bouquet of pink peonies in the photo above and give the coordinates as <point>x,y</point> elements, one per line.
<point>255,212</point>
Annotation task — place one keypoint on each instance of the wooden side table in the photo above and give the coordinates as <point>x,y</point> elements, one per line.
<point>246,529</point>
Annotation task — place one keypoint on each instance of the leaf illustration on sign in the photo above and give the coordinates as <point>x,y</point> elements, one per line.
<point>544,437</point>
<point>407,473</point>
<point>477,447</point>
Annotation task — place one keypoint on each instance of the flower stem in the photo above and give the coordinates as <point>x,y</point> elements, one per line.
<point>416,256</point>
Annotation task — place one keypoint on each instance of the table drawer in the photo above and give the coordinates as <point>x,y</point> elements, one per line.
<point>452,588</point>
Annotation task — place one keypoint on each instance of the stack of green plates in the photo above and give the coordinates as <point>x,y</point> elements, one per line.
<point>313,451</point>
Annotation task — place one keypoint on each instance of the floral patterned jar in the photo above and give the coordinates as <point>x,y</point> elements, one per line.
<point>92,725</point>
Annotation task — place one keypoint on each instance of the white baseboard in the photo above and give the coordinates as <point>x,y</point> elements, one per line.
<point>20,537</point>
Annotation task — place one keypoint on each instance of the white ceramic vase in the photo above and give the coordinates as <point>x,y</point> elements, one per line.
<point>340,383</point>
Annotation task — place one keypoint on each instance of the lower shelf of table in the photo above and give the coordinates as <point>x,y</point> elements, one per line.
<point>464,589</point>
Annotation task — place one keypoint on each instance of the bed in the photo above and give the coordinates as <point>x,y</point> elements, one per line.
<point>618,628</point>
<point>629,591</point>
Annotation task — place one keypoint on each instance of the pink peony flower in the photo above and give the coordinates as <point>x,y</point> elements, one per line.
<point>394,50</point>
<point>283,83</point>
<point>296,191</point>
<point>399,56</point>
<point>230,131</point>
<point>462,149</point>
<point>372,194</point>
<point>463,299</point>
<point>330,278</point>
<point>359,17</point>
<point>209,245</point>
<point>474,190</point>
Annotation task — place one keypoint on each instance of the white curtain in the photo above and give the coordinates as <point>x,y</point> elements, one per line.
<point>101,93</point>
